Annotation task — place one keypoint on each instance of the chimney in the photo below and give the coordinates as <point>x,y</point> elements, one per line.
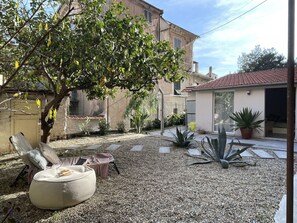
<point>196,66</point>
<point>210,71</point>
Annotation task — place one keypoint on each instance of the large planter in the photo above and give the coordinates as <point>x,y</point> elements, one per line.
<point>246,133</point>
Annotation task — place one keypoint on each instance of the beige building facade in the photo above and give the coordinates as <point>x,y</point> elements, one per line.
<point>175,100</point>
<point>76,110</point>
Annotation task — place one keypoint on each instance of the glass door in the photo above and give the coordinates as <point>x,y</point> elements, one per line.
<point>223,107</point>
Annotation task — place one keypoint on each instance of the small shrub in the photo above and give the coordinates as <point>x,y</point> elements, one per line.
<point>176,119</point>
<point>167,123</point>
<point>84,127</point>
<point>156,123</point>
<point>103,127</point>
<point>182,119</point>
<point>138,119</point>
<point>121,127</point>
<point>149,125</point>
<point>192,126</point>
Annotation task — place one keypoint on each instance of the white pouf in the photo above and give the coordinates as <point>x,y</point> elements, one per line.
<point>49,190</point>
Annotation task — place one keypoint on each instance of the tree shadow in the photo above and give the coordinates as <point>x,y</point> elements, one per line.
<point>22,210</point>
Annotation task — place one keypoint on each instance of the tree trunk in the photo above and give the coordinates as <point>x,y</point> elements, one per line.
<point>45,134</point>
<point>46,122</point>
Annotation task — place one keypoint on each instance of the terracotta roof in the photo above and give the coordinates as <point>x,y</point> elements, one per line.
<point>257,78</point>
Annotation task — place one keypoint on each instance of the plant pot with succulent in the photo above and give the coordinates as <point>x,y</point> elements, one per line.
<point>247,121</point>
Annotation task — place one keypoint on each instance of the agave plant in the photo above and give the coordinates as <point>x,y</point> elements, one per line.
<point>182,139</point>
<point>216,150</point>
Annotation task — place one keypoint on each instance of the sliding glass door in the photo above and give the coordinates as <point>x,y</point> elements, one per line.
<point>223,107</point>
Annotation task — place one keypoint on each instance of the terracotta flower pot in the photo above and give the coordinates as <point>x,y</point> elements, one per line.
<point>246,133</point>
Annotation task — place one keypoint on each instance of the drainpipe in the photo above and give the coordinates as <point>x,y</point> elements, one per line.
<point>162,111</point>
<point>160,90</point>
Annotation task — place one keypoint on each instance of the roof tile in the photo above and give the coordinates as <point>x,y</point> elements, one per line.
<point>257,78</point>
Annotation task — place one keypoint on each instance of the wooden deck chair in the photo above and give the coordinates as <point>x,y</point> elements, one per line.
<point>99,162</point>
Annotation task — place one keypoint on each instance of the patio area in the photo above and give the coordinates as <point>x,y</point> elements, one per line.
<point>158,187</point>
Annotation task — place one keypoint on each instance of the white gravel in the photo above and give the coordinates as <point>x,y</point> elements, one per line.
<point>154,187</point>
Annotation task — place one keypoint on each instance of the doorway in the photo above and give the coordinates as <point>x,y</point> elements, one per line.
<point>276,112</point>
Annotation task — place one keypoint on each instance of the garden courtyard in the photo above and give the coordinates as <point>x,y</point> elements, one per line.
<point>156,187</point>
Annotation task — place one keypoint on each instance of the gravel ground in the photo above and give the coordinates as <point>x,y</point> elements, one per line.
<point>155,187</point>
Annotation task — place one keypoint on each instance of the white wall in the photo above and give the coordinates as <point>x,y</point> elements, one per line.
<point>255,100</point>
<point>204,107</point>
<point>204,110</point>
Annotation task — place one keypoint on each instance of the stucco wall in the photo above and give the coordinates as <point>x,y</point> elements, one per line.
<point>204,110</point>
<point>5,131</point>
<point>174,102</point>
<point>204,107</point>
<point>255,100</point>
<point>21,116</point>
<point>59,129</point>
<point>116,108</point>
<point>136,7</point>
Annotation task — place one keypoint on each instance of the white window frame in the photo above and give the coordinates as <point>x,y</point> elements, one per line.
<point>176,91</point>
<point>225,115</point>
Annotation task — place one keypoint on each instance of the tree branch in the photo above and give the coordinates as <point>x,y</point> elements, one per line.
<point>22,26</point>
<point>34,48</point>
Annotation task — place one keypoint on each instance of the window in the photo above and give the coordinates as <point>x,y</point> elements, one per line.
<point>177,43</point>
<point>177,88</point>
<point>223,107</point>
<point>148,16</point>
<point>73,108</point>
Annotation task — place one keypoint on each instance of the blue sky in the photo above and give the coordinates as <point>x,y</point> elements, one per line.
<point>266,25</point>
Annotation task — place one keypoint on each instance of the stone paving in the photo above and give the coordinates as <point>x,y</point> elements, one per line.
<point>193,151</point>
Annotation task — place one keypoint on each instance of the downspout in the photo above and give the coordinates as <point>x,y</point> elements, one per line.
<point>160,90</point>
<point>162,111</point>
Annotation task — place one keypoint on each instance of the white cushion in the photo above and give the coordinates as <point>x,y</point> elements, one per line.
<point>49,153</point>
<point>37,159</point>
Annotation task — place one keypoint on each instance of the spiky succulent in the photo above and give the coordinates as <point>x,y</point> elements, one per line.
<point>216,150</point>
<point>182,139</point>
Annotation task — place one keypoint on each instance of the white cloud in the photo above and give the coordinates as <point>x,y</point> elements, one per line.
<point>265,25</point>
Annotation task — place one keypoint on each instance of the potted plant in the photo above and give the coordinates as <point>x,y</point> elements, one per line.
<point>246,121</point>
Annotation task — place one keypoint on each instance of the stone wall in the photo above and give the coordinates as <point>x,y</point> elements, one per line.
<point>5,131</point>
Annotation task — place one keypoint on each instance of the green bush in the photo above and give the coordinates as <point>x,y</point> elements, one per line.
<point>103,127</point>
<point>121,127</point>
<point>138,119</point>
<point>167,122</point>
<point>192,126</point>
<point>149,125</point>
<point>156,123</point>
<point>84,127</point>
<point>176,119</point>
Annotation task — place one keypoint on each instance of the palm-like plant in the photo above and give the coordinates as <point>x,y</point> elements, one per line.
<point>182,139</point>
<point>246,119</point>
